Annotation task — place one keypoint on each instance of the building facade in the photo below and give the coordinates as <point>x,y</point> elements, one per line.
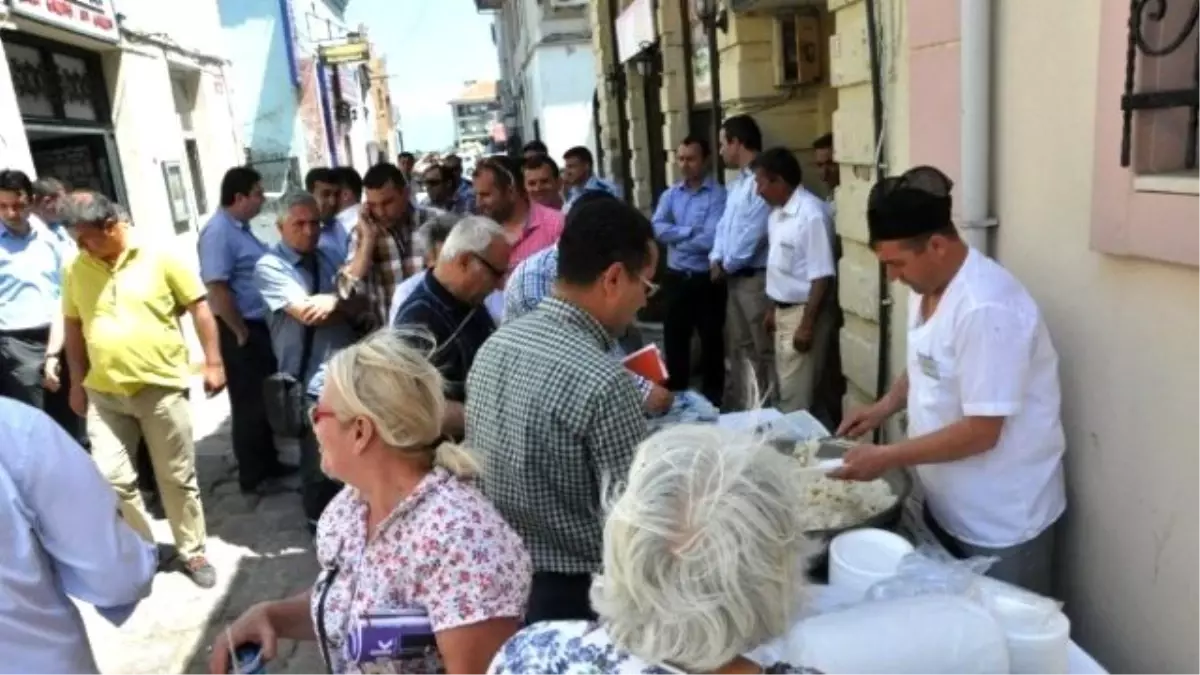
<point>475,110</point>
<point>548,71</point>
<point>134,105</point>
<point>296,110</point>
<point>1096,215</point>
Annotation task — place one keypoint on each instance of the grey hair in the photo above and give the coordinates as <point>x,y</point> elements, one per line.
<point>436,230</point>
<point>88,207</point>
<point>290,200</point>
<point>704,555</point>
<point>472,234</point>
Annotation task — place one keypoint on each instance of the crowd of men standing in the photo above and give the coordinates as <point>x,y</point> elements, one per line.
<point>357,253</point>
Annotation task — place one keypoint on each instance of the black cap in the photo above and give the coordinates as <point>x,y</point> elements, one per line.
<point>913,204</point>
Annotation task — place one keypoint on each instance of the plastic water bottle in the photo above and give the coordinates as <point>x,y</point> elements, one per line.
<point>249,660</point>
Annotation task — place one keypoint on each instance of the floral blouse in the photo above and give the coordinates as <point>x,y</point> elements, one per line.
<point>444,558</point>
<point>582,648</point>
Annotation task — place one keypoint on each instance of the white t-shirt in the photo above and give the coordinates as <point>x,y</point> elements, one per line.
<point>986,352</point>
<point>800,251</point>
<point>494,303</point>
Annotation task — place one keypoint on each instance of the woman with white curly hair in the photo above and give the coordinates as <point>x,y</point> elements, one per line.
<point>705,561</point>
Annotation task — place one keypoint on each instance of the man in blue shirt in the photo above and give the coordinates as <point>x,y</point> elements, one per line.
<point>229,252</point>
<point>579,175</point>
<point>32,258</point>
<point>323,184</point>
<point>464,190</point>
<point>739,256</point>
<point>299,303</point>
<point>686,223</point>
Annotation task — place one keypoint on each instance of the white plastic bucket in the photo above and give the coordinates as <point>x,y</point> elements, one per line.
<point>859,558</point>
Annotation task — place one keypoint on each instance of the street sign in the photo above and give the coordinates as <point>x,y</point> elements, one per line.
<point>94,18</point>
<point>351,51</point>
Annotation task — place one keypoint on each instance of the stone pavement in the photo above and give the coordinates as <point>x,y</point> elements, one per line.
<point>260,548</point>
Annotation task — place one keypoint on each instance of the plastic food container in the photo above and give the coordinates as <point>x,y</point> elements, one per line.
<point>859,558</point>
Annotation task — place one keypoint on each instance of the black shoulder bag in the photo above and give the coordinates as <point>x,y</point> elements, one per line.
<point>283,393</point>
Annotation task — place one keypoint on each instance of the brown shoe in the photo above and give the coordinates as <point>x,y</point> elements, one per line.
<point>202,573</point>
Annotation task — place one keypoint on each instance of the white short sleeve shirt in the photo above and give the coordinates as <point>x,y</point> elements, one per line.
<point>800,250</point>
<point>986,352</point>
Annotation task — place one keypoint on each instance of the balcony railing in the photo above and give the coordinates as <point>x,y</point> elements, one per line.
<point>1158,31</point>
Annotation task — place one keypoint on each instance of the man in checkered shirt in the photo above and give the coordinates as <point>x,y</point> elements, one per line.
<point>552,415</point>
<point>382,252</point>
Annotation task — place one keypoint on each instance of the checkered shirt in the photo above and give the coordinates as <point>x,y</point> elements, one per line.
<point>553,417</point>
<point>394,259</point>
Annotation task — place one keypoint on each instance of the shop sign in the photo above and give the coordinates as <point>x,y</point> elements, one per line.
<point>635,29</point>
<point>94,18</point>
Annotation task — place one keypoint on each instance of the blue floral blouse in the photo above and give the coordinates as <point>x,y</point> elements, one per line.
<point>581,647</point>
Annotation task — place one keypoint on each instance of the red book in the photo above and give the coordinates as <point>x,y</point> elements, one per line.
<point>647,362</point>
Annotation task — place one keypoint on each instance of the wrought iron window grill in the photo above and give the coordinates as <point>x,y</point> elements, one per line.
<point>1143,15</point>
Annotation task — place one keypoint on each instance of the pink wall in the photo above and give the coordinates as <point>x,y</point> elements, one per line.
<point>933,62</point>
<point>1125,221</point>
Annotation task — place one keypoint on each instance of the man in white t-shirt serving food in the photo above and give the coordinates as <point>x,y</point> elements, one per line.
<point>981,389</point>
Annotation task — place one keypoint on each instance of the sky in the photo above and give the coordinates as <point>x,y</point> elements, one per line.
<point>432,48</point>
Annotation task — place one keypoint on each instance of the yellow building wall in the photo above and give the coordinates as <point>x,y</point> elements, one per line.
<point>855,150</point>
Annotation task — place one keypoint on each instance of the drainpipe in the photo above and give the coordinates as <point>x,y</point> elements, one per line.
<point>326,112</point>
<point>289,43</point>
<point>618,71</point>
<point>714,86</point>
<point>975,141</point>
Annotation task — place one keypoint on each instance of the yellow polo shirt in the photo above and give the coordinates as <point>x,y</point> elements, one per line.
<point>128,312</point>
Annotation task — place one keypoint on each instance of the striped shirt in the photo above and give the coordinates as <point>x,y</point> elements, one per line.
<point>543,227</point>
<point>552,417</point>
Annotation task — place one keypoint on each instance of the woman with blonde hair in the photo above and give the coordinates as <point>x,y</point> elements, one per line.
<point>420,574</point>
<point>705,561</point>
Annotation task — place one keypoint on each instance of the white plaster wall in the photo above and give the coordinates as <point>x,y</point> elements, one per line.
<point>562,80</point>
<point>1127,333</point>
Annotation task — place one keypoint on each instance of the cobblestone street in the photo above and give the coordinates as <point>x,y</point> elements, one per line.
<point>261,551</point>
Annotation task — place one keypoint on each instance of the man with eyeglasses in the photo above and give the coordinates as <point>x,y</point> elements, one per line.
<point>449,305</point>
<point>551,414</point>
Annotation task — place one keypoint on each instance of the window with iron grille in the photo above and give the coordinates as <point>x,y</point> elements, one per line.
<point>1162,87</point>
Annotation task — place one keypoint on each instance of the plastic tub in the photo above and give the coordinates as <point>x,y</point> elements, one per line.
<point>859,558</point>
<point>1039,638</point>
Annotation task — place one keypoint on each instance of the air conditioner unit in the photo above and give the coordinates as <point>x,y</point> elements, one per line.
<point>798,55</point>
<point>567,4</point>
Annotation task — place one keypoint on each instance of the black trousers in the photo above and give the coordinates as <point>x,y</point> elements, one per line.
<point>246,367</point>
<point>695,303</point>
<point>559,597</point>
<point>316,489</point>
<point>22,356</point>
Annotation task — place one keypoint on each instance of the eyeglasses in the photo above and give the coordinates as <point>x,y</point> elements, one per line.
<point>316,414</point>
<point>498,273</point>
<point>432,183</point>
<point>650,286</point>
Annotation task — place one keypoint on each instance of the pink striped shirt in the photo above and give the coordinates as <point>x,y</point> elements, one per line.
<point>542,230</point>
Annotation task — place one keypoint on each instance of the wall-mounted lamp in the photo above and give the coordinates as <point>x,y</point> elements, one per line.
<point>711,14</point>
<point>613,79</point>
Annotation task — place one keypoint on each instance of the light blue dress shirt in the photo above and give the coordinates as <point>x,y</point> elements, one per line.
<point>30,277</point>
<point>283,280</point>
<point>531,282</point>
<point>686,221</point>
<point>741,241</point>
<point>335,239</point>
<point>228,252</point>
<point>593,184</point>
<point>62,539</point>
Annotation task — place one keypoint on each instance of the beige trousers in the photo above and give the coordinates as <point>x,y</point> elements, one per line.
<point>748,344</point>
<point>163,417</point>
<point>796,371</point>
